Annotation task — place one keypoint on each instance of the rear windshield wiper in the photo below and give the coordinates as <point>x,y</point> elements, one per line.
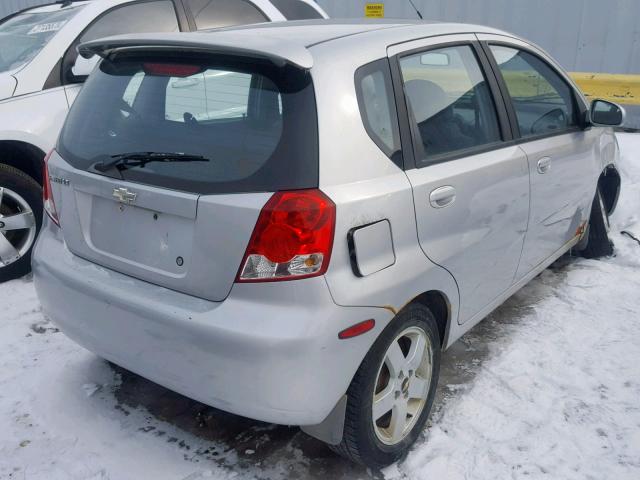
<point>124,161</point>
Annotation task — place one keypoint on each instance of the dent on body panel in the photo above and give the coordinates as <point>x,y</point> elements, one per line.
<point>572,160</point>
<point>498,214</point>
<point>479,237</point>
<point>561,197</point>
<point>494,207</point>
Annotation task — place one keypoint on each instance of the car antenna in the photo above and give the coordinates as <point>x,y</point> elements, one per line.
<point>416,9</point>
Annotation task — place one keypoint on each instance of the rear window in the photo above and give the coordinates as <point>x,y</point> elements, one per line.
<point>253,124</point>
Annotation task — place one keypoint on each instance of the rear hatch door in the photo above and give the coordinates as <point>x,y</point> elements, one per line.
<point>165,162</point>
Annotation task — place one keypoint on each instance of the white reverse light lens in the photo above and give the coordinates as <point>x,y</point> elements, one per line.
<point>258,267</point>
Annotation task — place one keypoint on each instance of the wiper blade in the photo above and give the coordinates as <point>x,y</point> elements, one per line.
<point>124,161</point>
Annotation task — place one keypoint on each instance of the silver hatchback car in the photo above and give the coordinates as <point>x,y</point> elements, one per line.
<point>291,221</point>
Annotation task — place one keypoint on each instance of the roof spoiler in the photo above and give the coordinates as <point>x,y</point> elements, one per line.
<point>277,51</point>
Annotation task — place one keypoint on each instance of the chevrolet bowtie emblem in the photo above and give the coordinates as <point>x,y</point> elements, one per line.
<point>124,196</point>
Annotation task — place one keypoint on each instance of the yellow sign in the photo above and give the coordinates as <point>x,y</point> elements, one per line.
<point>624,89</point>
<point>374,10</point>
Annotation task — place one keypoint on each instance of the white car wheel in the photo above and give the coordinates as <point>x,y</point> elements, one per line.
<point>17,227</point>
<point>402,385</point>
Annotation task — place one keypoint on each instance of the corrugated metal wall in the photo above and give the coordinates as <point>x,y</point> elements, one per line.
<point>583,35</point>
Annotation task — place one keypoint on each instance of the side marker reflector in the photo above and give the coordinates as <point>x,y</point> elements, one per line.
<point>357,329</point>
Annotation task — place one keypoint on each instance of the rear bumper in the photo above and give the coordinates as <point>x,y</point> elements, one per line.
<point>269,351</point>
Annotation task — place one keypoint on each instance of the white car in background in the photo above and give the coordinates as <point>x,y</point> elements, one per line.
<point>41,74</point>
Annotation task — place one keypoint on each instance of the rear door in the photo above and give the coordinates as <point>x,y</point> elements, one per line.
<point>471,187</point>
<point>560,152</point>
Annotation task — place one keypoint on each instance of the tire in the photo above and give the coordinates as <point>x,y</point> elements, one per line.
<point>373,444</point>
<point>598,243</point>
<point>21,199</point>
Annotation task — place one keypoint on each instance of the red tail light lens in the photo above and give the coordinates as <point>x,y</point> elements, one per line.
<point>47,196</point>
<point>292,239</point>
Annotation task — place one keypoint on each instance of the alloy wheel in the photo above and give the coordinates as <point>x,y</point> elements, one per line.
<point>402,385</point>
<point>17,227</point>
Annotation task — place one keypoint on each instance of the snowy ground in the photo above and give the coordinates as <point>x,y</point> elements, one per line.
<point>547,387</point>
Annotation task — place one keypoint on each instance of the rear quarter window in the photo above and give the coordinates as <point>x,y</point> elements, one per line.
<point>378,108</point>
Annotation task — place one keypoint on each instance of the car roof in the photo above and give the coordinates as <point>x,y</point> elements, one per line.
<point>313,32</point>
<point>289,42</point>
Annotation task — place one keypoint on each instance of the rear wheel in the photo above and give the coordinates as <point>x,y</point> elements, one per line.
<point>598,243</point>
<point>20,220</point>
<point>391,395</point>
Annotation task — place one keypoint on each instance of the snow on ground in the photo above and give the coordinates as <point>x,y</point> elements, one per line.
<point>547,387</point>
<point>559,394</point>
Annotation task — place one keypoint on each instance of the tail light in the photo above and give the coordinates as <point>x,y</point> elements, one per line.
<point>47,196</point>
<point>292,239</point>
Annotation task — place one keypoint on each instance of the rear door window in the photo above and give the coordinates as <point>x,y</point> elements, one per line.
<point>543,101</point>
<point>450,102</point>
<point>224,13</point>
<point>296,9</point>
<point>226,125</point>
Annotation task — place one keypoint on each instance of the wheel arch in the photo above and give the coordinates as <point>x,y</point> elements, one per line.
<point>440,306</point>
<point>609,184</point>
<point>331,429</point>
<point>24,156</point>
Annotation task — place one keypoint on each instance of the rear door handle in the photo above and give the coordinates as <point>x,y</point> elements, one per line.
<point>544,165</point>
<point>442,196</point>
